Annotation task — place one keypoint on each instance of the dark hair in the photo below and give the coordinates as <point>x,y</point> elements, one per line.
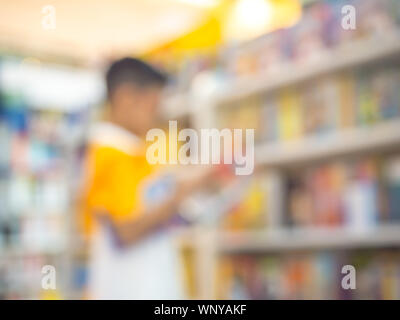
<point>135,71</point>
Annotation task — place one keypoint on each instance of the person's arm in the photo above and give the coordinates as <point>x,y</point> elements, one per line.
<point>130,232</point>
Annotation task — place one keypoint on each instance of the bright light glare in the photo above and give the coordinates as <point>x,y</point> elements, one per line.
<point>248,19</point>
<point>253,15</point>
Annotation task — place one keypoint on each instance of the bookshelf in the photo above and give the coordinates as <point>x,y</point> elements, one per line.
<point>287,239</point>
<point>39,181</point>
<point>298,238</point>
<point>277,158</point>
<point>349,141</point>
<point>358,53</point>
<point>349,55</point>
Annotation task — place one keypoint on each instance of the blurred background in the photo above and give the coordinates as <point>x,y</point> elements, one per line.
<point>324,102</point>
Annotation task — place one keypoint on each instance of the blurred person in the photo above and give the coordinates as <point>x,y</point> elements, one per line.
<point>128,204</point>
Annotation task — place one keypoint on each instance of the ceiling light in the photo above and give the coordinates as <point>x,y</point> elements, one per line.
<point>249,18</point>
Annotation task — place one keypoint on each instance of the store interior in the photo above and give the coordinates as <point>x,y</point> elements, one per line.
<point>322,97</point>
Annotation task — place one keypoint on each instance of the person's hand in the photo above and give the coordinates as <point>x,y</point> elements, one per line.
<point>194,178</point>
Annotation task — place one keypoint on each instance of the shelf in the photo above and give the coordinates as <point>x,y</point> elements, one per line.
<point>7,253</point>
<point>348,141</point>
<point>309,239</point>
<point>352,54</point>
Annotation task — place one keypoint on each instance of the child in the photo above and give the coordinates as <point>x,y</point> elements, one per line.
<point>129,203</point>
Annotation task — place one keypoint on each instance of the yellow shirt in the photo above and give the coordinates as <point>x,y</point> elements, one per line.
<point>113,182</point>
<point>122,183</point>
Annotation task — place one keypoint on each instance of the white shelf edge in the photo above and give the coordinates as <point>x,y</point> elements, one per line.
<point>309,239</point>
<point>350,55</point>
<point>19,253</point>
<point>343,142</point>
